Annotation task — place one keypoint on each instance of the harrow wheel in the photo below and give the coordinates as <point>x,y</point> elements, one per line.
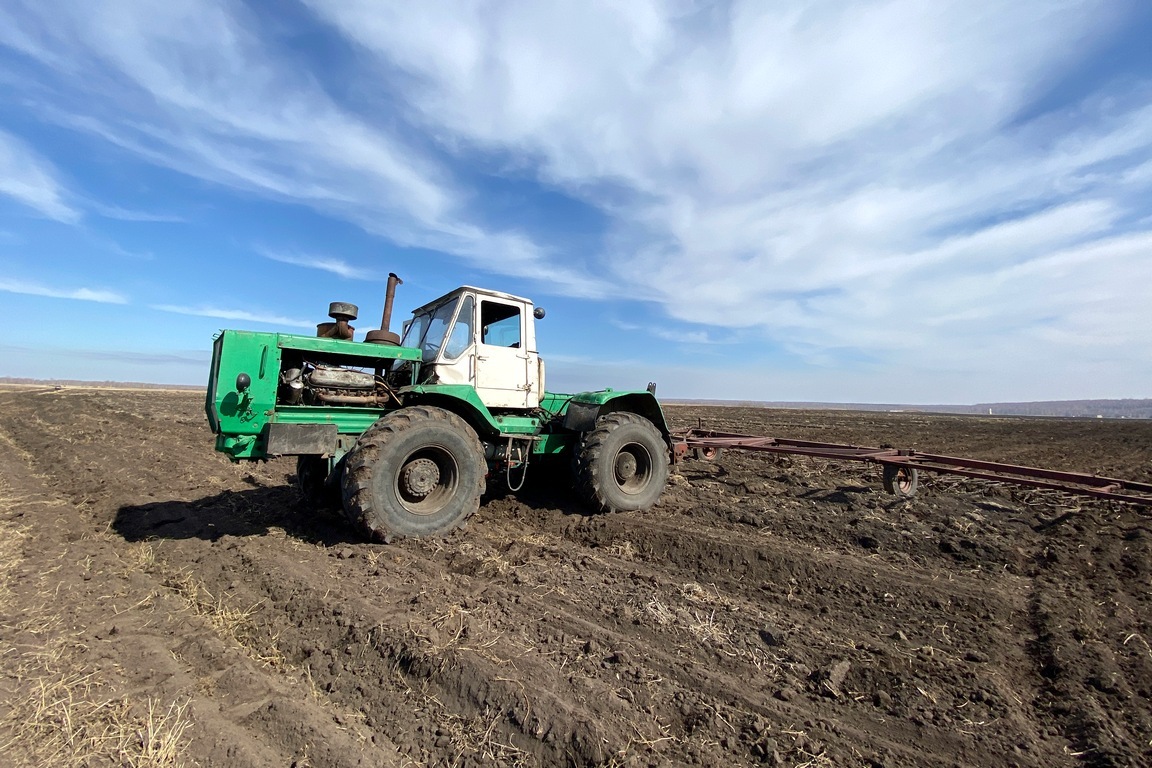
<point>416,472</point>
<point>706,454</point>
<point>622,464</point>
<point>901,480</point>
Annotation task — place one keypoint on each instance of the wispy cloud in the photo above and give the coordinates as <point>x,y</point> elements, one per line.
<point>846,176</point>
<point>31,180</point>
<point>125,214</point>
<point>235,314</point>
<point>80,294</point>
<point>191,86</point>
<point>673,332</point>
<point>323,263</point>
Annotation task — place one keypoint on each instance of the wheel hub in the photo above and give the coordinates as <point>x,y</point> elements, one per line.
<point>625,466</point>
<point>420,477</point>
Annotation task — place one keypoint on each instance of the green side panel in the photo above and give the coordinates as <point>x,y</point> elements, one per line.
<point>555,404</point>
<point>239,417</point>
<point>348,421</point>
<point>462,399</point>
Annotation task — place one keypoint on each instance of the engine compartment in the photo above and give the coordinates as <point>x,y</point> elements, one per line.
<point>321,383</point>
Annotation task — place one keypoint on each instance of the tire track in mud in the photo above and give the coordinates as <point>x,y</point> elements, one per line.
<point>1092,625</point>
<point>135,634</point>
<point>427,650</point>
<point>697,698</point>
<point>791,633</point>
<point>994,604</point>
<point>424,657</point>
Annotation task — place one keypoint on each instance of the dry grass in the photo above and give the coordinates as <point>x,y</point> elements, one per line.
<point>57,713</point>
<point>460,630</point>
<point>11,543</point>
<point>659,612</point>
<point>475,739</point>
<point>229,621</point>
<point>695,593</point>
<point>622,549</point>
<point>707,631</point>
<point>61,718</point>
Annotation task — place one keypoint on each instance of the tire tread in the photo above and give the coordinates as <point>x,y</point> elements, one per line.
<point>363,460</point>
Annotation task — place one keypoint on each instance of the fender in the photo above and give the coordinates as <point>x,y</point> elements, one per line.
<point>586,407</point>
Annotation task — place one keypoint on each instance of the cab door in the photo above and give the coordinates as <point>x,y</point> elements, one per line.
<point>503,377</point>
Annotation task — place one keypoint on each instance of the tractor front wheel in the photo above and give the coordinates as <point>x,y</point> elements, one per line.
<point>416,472</point>
<point>622,465</point>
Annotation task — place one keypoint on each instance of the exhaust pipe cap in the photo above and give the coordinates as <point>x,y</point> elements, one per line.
<point>382,337</point>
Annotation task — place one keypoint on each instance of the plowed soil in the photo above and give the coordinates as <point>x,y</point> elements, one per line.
<point>770,610</point>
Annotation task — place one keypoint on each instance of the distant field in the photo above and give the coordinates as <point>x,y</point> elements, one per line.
<point>8,382</point>
<point>1109,409</point>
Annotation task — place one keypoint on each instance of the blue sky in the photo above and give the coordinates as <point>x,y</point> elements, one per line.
<point>887,201</point>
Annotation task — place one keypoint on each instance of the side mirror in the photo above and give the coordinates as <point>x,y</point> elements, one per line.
<point>538,313</point>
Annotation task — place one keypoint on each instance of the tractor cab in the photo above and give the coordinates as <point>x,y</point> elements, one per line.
<point>483,338</point>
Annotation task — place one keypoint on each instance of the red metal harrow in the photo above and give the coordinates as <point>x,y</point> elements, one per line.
<point>900,467</point>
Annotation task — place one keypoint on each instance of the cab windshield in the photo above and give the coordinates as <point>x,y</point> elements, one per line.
<point>427,330</point>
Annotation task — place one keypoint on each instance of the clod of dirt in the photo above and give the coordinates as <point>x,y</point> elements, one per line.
<point>831,680</point>
<point>771,639</point>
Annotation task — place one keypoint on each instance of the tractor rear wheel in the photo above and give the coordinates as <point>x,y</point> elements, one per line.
<point>417,471</point>
<point>622,465</point>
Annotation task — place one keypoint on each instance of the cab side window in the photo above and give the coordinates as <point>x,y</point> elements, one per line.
<point>499,324</point>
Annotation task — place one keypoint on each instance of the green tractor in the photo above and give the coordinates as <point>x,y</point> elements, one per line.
<point>407,432</point>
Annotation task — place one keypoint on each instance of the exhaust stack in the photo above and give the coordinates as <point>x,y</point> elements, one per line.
<point>385,335</point>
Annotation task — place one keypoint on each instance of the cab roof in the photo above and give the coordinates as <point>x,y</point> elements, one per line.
<point>471,289</point>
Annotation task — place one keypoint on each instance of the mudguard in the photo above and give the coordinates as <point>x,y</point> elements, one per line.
<point>586,407</point>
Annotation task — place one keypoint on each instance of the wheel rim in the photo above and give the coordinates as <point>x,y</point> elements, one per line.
<point>427,480</point>
<point>903,479</point>
<point>633,468</point>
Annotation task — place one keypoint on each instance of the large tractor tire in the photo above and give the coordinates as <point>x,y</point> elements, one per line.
<point>622,465</point>
<point>416,472</point>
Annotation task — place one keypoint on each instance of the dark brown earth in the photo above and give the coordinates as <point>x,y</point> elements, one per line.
<point>769,610</point>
